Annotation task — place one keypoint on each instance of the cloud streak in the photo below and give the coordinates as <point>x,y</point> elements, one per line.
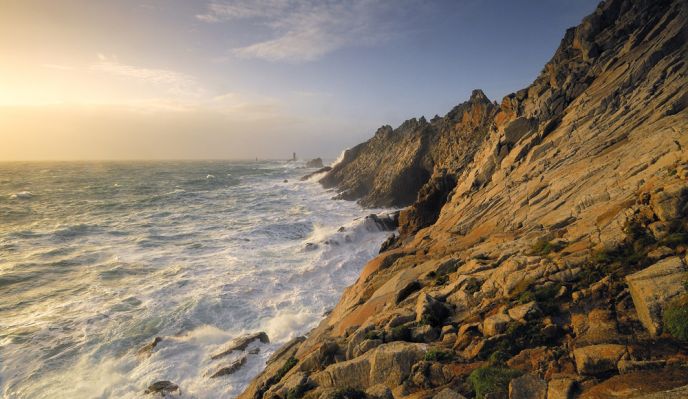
<point>307,30</point>
<point>173,82</point>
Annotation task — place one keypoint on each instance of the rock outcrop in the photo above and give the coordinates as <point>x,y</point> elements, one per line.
<point>544,238</point>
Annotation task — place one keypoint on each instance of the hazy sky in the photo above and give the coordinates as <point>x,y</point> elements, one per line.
<point>156,79</point>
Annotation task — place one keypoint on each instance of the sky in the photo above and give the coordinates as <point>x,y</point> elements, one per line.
<point>239,79</point>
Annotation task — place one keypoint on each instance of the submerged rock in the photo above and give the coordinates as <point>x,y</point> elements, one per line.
<point>147,349</point>
<point>163,388</point>
<point>241,343</point>
<point>315,163</point>
<point>229,369</point>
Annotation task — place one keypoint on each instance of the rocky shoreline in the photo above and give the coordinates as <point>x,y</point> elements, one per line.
<point>542,250</point>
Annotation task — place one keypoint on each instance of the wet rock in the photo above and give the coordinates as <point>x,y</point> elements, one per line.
<point>147,349</point>
<point>241,343</point>
<point>315,163</point>
<point>598,359</point>
<point>230,369</point>
<point>527,387</point>
<point>163,388</point>
<point>654,287</point>
<point>317,172</point>
<point>384,222</point>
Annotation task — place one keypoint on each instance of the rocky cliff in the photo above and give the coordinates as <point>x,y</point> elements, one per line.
<point>544,251</point>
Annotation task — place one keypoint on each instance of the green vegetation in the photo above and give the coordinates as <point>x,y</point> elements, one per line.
<point>497,359</point>
<point>492,380</point>
<point>374,334</point>
<point>298,391</point>
<point>349,393</point>
<point>288,365</point>
<point>438,355</point>
<point>517,337</point>
<point>676,318</point>
<point>544,247</point>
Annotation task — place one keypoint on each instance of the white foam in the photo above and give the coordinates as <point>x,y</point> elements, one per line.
<point>340,158</point>
<point>22,195</point>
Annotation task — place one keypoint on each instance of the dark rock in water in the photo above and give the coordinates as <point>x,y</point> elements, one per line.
<point>147,349</point>
<point>386,222</point>
<point>285,181</point>
<point>315,163</point>
<point>390,243</point>
<point>163,388</point>
<point>254,351</point>
<point>231,369</point>
<point>240,344</point>
<point>341,229</point>
<point>311,246</point>
<point>321,170</point>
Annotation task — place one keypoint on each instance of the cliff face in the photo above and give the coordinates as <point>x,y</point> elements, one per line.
<point>389,169</point>
<point>545,250</point>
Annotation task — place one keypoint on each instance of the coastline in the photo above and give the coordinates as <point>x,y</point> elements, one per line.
<point>539,261</point>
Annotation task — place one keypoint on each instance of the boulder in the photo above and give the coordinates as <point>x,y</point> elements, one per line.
<point>365,346</point>
<point>293,382</point>
<point>353,373</point>
<point>654,287</point>
<point>448,393</point>
<point>527,386</point>
<point>379,391</point>
<point>523,312</point>
<point>429,310</point>
<point>561,388</point>
<point>669,203</point>
<point>495,324</point>
<point>388,364</point>
<point>598,359</point>
<point>322,356</point>
<point>391,363</point>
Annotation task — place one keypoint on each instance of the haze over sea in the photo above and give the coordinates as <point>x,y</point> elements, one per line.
<point>97,259</point>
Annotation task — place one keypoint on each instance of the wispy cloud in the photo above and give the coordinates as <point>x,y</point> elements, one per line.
<point>306,30</point>
<point>171,81</point>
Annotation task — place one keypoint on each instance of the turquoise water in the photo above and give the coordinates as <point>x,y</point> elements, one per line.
<point>96,259</point>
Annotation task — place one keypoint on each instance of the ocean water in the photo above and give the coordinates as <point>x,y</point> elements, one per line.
<point>97,259</point>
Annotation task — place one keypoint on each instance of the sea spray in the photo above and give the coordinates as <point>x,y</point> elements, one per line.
<point>92,272</point>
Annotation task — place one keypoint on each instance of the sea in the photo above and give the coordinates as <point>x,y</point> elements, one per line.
<point>99,258</point>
